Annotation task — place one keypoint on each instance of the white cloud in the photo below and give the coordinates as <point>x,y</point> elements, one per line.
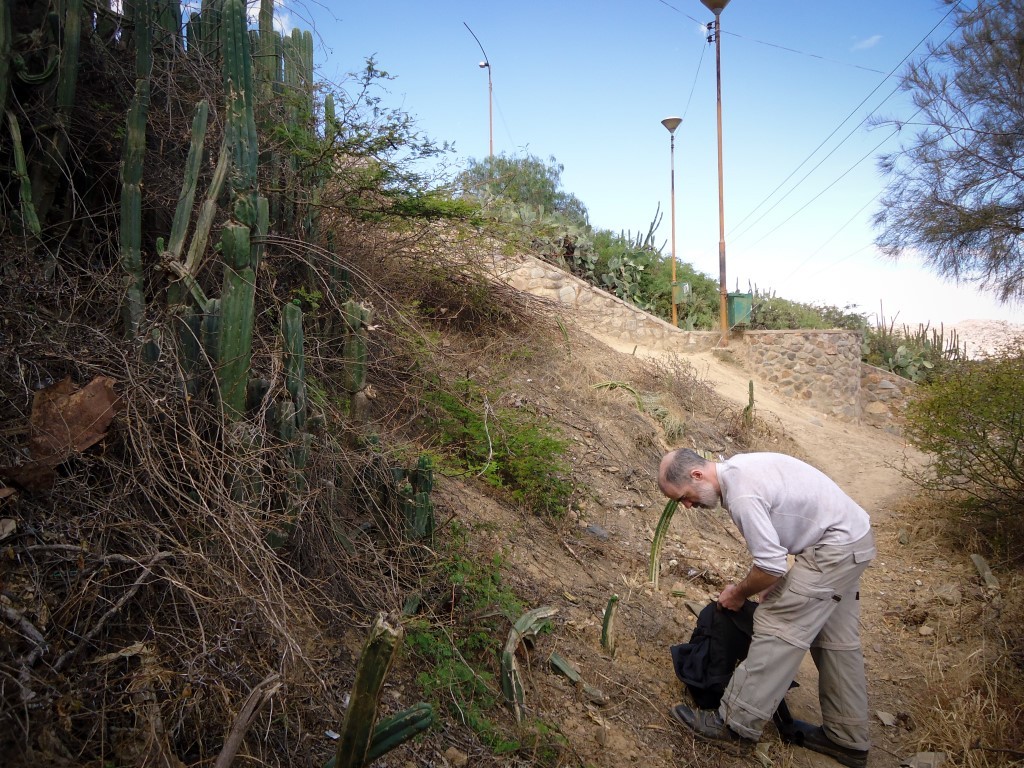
<point>867,42</point>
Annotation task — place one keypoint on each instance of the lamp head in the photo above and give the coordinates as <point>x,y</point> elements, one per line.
<point>715,6</point>
<point>484,64</point>
<point>672,123</point>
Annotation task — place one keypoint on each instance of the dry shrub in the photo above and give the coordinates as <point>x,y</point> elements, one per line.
<point>974,709</point>
<point>971,705</point>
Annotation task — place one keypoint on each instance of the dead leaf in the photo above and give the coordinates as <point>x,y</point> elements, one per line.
<point>65,420</point>
<point>7,527</point>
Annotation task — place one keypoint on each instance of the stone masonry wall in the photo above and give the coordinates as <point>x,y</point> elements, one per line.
<point>819,368</point>
<point>602,312</point>
<point>884,396</point>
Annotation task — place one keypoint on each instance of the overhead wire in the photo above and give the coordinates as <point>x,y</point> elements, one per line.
<point>833,133</point>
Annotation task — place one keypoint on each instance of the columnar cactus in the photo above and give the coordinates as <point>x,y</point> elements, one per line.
<point>6,35</point>
<point>241,123</point>
<point>234,351</point>
<point>29,218</point>
<point>183,211</point>
<point>374,662</point>
<point>654,565</point>
<point>295,360</point>
<point>357,318</point>
<point>131,208</point>
<point>50,169</point>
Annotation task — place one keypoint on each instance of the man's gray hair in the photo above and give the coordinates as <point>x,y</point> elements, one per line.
<point>683,461</point>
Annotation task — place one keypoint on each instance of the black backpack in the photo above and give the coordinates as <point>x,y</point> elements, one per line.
<point>719,642</point>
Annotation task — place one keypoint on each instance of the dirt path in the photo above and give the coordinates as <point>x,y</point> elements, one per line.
<point>863,461</point>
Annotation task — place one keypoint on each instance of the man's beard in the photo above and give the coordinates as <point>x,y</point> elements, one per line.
<point>707,497</point>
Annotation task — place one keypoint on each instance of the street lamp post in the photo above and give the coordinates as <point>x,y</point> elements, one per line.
<point>716,7</point>
<point>486,64</point>
<point>672,123</point>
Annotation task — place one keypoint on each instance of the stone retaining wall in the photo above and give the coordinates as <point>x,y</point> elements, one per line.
<point>822,369</point>
<point>819,368</point>
<point>602,312</point>
<point>884,396</point>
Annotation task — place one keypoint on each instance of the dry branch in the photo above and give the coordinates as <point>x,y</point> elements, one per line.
<point>259,696</point>
<point>91,634</point>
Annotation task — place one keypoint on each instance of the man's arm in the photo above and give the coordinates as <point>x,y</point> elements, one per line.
<point>733,596</point>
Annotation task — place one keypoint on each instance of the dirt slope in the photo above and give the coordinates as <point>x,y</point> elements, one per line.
<point>594,392</point>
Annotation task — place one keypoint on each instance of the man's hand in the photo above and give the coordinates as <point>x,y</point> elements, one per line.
<point>731,598</point>
<point>734,595</point>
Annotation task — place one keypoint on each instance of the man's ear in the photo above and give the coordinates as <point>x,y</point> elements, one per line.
<point>697,474</point>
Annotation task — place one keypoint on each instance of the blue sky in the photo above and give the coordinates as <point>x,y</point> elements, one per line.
<point>588,82</point>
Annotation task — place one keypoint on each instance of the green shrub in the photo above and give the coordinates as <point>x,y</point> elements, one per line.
<point>511,449</point>
<point>970,422</point>
<point>773,313</point>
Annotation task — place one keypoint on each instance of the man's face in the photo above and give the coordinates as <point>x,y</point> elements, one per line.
<point>696,493</point>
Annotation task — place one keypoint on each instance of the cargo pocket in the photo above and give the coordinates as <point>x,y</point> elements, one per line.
<point>797,614</point>
<point>865,555</point>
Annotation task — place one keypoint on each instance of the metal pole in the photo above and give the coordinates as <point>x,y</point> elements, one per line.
<point>490,111</point>
<point>722,309</point>
<point>486,64</point>
<point>672,174</point>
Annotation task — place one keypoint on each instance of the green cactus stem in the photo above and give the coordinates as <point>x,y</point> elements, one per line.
<point>395,730</point>
<point>527,625</point>
<point>374,663</point>
<point>207,212</point>
<point>28,211</point>
<point>6,35</point>
<point>237,309</point>
<point>608,625</point>
<point>168,21</point>
<point>654,563</point>
<point>49,172</point>
<point>357,318</point>
<point>183,211</point>
<point>266,57</point>
<point>564,667</point>
<point>294,360</point>
<point>748,411</point>
<point>241,123</point>
<point>131,209</point>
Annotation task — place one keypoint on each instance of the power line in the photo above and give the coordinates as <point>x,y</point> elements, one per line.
<point>836,130</point>
<point>805,53</point>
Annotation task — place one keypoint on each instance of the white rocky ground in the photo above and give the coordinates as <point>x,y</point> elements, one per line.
<point>984,337</point>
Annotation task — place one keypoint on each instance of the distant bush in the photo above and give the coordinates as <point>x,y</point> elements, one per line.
<point>769,312</point>
<point>921,354</point>
<point>970,423</point>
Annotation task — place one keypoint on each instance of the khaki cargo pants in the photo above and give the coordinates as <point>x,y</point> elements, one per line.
<point>815,606</point>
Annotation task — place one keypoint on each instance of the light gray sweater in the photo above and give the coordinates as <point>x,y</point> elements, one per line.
<point>783,506</point>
